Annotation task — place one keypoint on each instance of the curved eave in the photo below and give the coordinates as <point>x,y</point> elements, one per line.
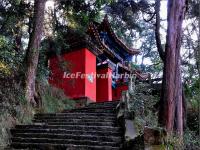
<point>106,26</point>
<point>93,31</point>
<point>134,52</point>
<point>141,76</point>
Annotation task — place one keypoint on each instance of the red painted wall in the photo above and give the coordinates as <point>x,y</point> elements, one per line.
<point>104,85</point>
<point>117,92</point>
<point>78,62</point>
<point>90,69</point>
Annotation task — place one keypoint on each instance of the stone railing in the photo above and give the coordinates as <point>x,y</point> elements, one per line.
<point>125,117</point>
<point>151,138</point>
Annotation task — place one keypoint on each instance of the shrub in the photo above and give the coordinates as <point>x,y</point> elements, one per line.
<point>142,104</point>
<point>53,99</point>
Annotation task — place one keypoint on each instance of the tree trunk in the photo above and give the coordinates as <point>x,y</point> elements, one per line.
<point>198,67</point>
<point>171,112</point>
<point>157,31</point>
<point>33,49</point>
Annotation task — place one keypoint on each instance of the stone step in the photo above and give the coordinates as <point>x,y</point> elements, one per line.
<point>66,131</point>
<point>93,127</point>
<point>100,105</point>
<point>64,141</point>
<point>48,146</point>
<point>94,110</point>
<point>65,117</point>
<point>68,137</point>
<point>78,114</point>
<point>69,127</point>
<point>96,106</point>
<point>104,103</point>
<point>50,122</point>
<point>74,120</point>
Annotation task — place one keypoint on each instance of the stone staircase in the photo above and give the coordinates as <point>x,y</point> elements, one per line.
<point>93,127</point>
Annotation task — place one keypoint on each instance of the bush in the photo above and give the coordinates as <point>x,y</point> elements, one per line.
<point>191,140</point>
<point>14,108</point>
<point>10,60</point>
<point>142,104</point>
<point>54,99</point>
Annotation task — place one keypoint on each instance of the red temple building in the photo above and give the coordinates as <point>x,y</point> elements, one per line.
<point>89,58</point>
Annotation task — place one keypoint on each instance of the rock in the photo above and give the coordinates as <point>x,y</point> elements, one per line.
<point>155,147</point>
<point>154,136</point>
<point>130,132</point>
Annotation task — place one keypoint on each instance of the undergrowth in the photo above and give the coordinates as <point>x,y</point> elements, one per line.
<point>142,104</point>
<point>15,110</point>
<point>53,99</point>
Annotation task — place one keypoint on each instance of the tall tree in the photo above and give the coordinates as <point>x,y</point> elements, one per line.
<point>157,31</point>
<point>198,64</point>
<point>172,84</point>
<point>33,50</point>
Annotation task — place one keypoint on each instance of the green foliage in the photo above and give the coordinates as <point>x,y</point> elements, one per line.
<point>5,56</point>
<point>6,122</point>
<point>174,142</point>
<point>10,60</point>
<point>42,68</point>
<point>52,104</point>
<point>13,16</point>
<point>192,92</point>
<point>80,13</point>
<point>13,108</point>
<point>53,99</point>
<point>12,114</point>
<point>134,66</point>
<point>193,8</point>
<point>127,20</point>
<point>142,104</point>
<point>191,140</point>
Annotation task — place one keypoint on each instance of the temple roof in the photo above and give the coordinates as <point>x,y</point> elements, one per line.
<point>96,28</point>
<point>100,40</point>
<point>94,34</point>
